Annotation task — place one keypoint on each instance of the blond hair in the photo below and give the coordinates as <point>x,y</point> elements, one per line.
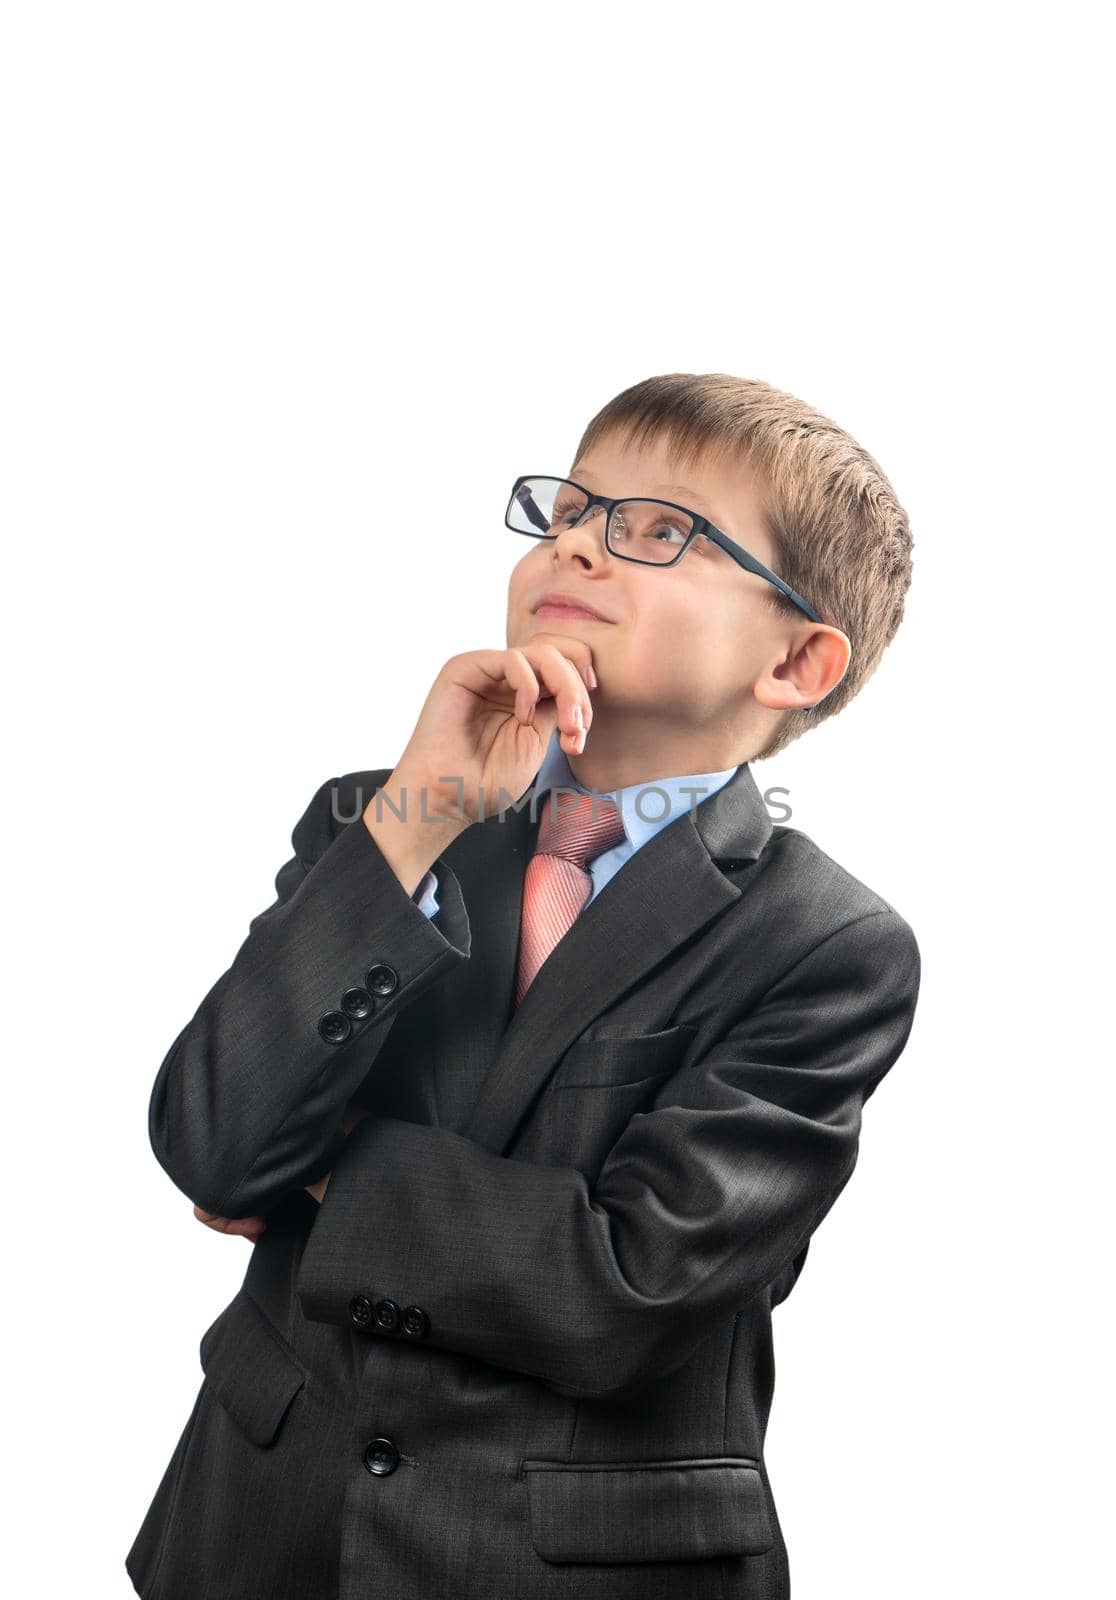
<point>840,536</point>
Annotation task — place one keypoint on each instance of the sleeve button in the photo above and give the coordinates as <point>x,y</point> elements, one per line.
<point>387,1315</point>
<point>382,979</point>
<point>357,1003</point>
<point>360,1311</point>
<point>335,1027</point>
<point>415,1322</point>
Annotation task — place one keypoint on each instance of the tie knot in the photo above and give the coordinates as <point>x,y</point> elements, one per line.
<point>578,827</point>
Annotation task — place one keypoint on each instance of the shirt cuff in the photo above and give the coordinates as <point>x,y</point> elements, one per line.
<point>425,896</point>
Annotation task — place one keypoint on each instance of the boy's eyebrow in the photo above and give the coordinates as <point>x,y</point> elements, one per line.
<point>691,496</point>
<point>685,495</point>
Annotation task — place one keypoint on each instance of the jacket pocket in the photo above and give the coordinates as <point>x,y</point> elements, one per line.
<point>603,1063</point>
<point>647,1510</point>
<point>251,1368</point>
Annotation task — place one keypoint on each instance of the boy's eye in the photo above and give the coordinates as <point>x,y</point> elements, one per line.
<point>634,522</point>
<point>649,526</point>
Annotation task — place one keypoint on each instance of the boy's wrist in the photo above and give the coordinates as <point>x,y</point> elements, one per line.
<point>408,836</point>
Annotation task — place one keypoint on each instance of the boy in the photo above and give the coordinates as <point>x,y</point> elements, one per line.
<point>531,1112</point>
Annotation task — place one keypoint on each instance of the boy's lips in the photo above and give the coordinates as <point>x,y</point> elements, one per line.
<point>555,604</point>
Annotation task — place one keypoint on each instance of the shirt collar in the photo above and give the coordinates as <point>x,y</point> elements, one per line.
<point>555,773</point>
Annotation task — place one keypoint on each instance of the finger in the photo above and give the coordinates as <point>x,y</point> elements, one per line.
<point>514,670</point>
<point>579,651</point>
<point>573,710</point>
<point>250,1226</point>
<point>522,678</point>
<point>574,650</point>
<point>487,672</point>
<point>562,678</point>
<point>570,657</point>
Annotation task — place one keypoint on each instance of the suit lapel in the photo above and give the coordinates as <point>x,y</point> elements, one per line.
<point>668,891</point>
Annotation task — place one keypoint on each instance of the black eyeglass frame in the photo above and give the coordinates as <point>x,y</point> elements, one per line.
<point>702,525</point>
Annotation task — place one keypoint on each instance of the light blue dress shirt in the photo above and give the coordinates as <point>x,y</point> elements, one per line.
<point>644,809</point>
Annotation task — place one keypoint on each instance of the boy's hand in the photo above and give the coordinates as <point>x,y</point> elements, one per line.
<point>486,723</point>
<point>250,1228</point>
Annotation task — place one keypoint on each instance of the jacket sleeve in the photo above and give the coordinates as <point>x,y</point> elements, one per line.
<point>247,1105</point>
<point>703,1200</point>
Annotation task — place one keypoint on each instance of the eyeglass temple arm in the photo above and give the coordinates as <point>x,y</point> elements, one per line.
<point>532,509</point>
<point>752,565</point>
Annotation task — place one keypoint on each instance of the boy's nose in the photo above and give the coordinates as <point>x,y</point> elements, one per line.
<point>581,531</point>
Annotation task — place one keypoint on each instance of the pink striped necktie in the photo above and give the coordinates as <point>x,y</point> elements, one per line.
<point>556,885</point>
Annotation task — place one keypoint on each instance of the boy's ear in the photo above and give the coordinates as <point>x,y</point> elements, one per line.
<point>814,666</point>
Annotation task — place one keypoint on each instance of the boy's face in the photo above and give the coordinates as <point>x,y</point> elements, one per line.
<point>683,646</point>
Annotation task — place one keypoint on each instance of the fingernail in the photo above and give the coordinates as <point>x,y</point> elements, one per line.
<point>592,677</point>
<point>578,717</point>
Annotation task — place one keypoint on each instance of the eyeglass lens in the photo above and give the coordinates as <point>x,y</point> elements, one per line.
<point>642,530</point>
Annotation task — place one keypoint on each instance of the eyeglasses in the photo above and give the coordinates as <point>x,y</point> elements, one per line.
<point>660,531</point>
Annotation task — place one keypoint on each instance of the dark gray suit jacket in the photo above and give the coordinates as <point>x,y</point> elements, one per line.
<point>523,1348</point>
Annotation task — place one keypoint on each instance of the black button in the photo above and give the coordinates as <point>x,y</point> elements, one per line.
<point>357,1003</point>
<point>382,979</point>
<point>387,1315</point>
<point>335,1027</point>
<point>380,1456</point>
<point>415,1322</point>
<point>360,1311</point>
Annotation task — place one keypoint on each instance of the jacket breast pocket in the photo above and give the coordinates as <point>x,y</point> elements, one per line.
<point>625,1511</point>
<point>615,1063</point>
<point>251,1369</point>
<point>597,1088</point>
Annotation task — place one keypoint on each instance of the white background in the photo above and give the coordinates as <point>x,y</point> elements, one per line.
<point>292,295</point>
